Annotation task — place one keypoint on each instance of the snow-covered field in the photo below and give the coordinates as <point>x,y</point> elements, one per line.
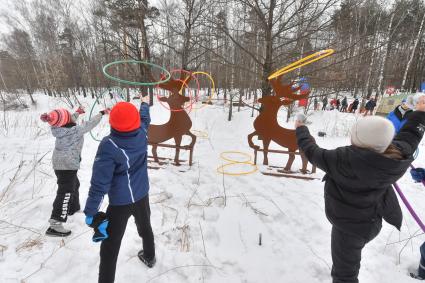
<point>206,225</point>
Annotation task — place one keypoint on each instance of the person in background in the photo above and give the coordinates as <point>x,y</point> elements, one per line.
<point>370,106</point>
<point>338,104</point>
<point>354,105</point>
<point>66,162</point>
<point>315,104</point>
<point>401,113</point>
<point>325,103</point>
<point>358,183</point>
<point>120,170</point>
<point>344,104</point>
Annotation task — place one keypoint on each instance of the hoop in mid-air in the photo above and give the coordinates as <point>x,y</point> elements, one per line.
<point>302,62</point>
<point>163,70</point>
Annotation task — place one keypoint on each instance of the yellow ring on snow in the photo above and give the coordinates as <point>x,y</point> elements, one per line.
<point>200,134</point>
<point>223,156</point>
<point>236,162</point>
<point>221,169</point>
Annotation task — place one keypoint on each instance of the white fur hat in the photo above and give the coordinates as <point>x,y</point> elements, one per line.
<point>373,132</point>
<point>416,98</point>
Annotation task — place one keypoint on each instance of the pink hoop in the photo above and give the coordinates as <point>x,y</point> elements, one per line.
<point>192,101</point>
<point>189,107</point>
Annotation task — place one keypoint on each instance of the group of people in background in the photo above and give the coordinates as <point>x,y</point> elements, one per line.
<point>343,106</point>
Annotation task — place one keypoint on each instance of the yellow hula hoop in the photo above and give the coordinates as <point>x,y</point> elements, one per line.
<point>200,134</point>
<point>221,169</point>
<point>302,62</point>
<point>212,89</point>
<point>223,156</point>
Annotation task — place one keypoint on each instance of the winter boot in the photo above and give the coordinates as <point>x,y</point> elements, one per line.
<point>421,269</point>
<point>416,276</point>
<point>148,262</point>
<point>56,229</point>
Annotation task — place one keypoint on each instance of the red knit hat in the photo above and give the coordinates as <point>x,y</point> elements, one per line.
<point>124,117</point>
<point>57,118</point>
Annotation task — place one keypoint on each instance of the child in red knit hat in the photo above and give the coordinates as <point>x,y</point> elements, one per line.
<point>120,170</point>
<point>66,162</point>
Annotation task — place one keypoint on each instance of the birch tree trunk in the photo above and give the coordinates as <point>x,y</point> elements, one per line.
<point>412,55</point>
<point>379,91</point>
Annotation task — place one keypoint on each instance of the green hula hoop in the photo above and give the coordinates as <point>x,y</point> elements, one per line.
<point>131,82</point>
<point>106,92</point>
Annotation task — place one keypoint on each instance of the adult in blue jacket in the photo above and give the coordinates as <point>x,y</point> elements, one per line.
<point>399,115</point>
<point>120,170</point>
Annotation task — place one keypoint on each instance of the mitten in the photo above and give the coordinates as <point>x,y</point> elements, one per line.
<point>418,174</point>
<point>301,117</point>
<point>105,111</point>
<point>99,223</point>
<point>80,110</point>
<point>45,117</point>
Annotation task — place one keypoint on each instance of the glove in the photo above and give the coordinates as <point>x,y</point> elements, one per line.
<point>45,117</point>
<point>80,110</point>
<point>301,117</point>
<point>418,174</point>
<point>99,223</point>
<point>105,111</point>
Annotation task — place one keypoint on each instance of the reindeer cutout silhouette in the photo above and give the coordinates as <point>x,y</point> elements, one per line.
<point>179,123</point>
<point>267,127</point>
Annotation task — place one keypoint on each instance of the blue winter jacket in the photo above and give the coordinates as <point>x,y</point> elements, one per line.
<point>398,124</point>
<point>120,167</point>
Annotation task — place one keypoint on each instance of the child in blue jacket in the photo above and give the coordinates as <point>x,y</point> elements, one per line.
<point>120,170</point>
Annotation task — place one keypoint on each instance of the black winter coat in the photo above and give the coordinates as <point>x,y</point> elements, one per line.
<point>370,105</point>
<point>358,182</point>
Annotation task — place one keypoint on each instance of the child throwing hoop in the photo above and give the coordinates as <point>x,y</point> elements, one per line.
<point>66,162</point>
<point>120,170</point>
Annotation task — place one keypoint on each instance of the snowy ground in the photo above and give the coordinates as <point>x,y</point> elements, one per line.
<point>206,225</point>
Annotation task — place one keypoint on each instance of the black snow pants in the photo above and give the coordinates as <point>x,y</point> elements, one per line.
<point>110,247</point>
<point>347,254</point>
<point>67,196</point>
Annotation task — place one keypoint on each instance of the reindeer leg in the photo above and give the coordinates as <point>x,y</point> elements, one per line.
<point>250,142</point>
<point>290,161</point>
<point>155,153</point>
<point>178,141</point>
<point>192,146</point>
<point>304,161</point>
<point>266,143</point>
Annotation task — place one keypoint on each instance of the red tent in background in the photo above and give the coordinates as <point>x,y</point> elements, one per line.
<point>390,90</point>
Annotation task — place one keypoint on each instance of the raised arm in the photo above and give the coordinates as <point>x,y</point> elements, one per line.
<point>87,126</point>
<point>103,171</point>
<point>145,116</point>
